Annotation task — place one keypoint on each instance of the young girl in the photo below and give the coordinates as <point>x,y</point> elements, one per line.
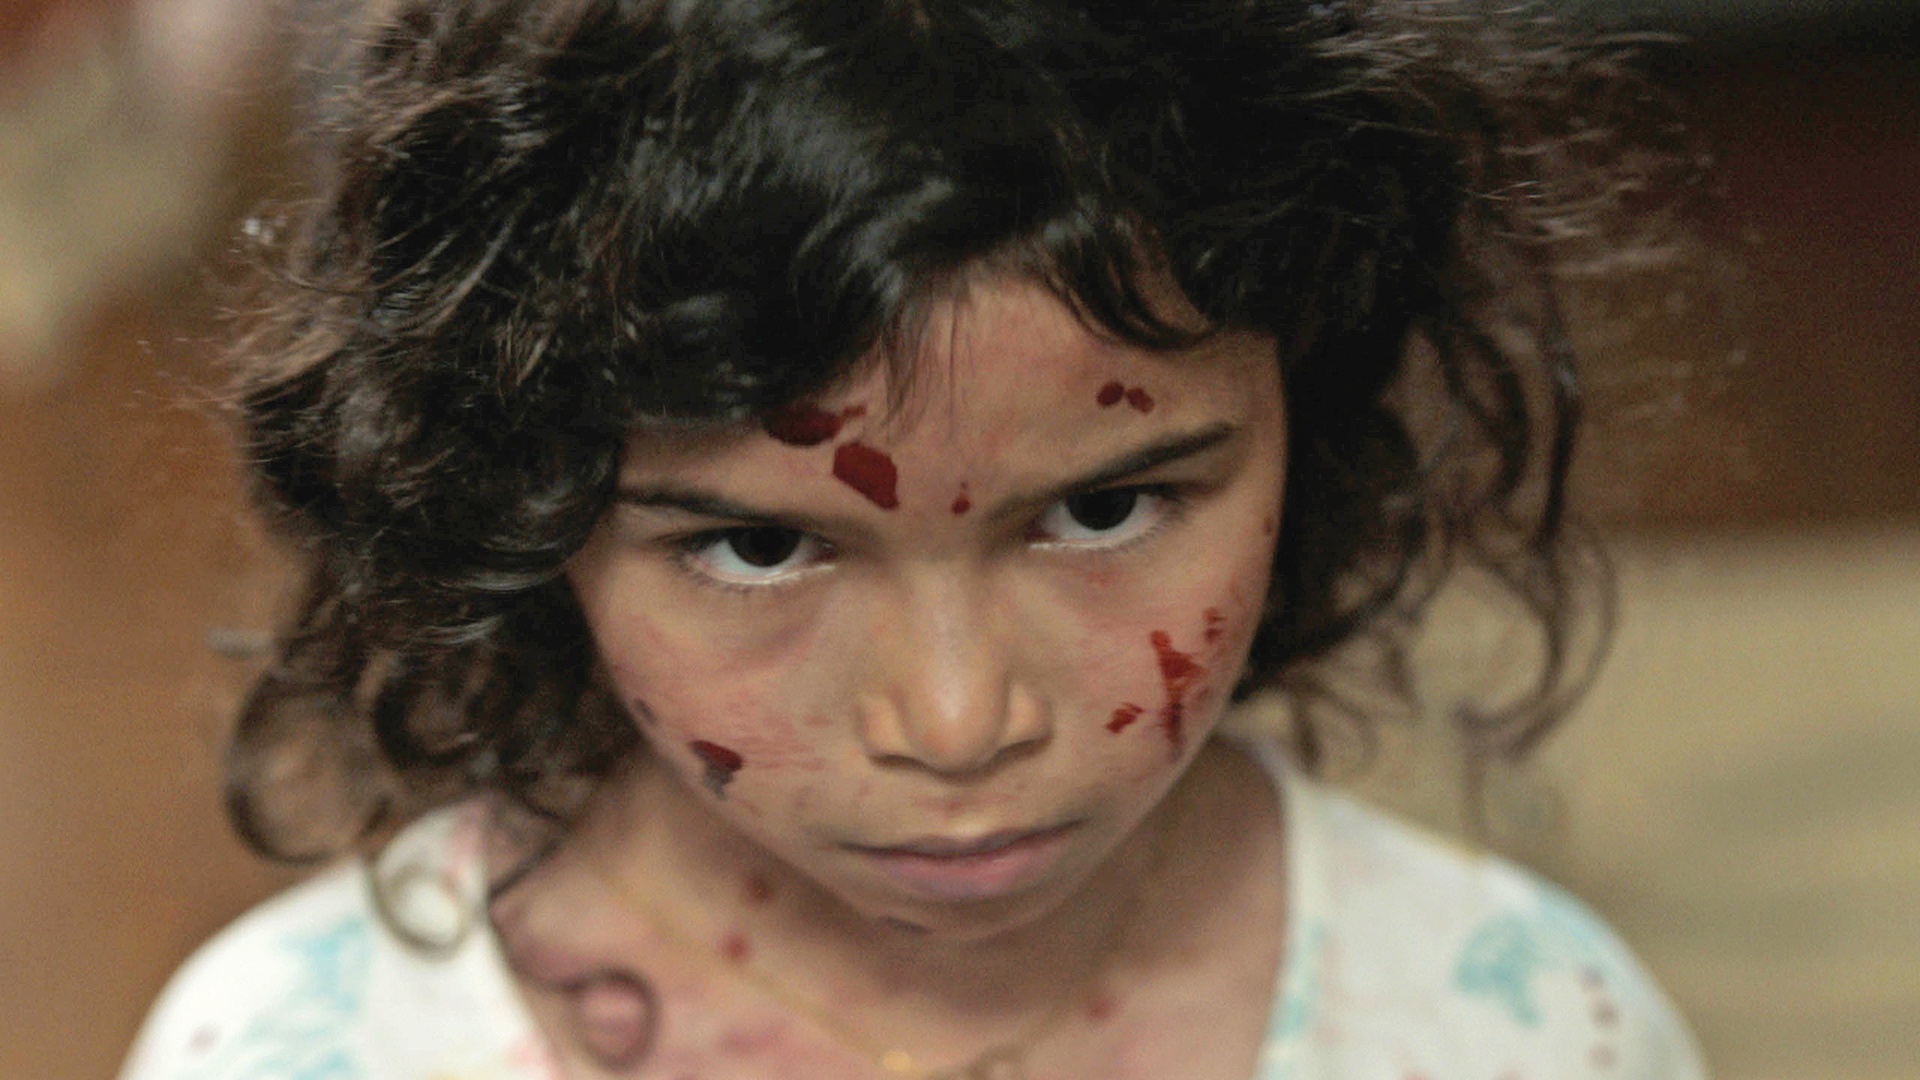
<point>788,491</point>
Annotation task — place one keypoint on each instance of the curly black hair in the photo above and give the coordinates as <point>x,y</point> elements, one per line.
<point>538,227</point>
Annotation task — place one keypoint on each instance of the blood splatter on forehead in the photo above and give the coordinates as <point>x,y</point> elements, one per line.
<point>869,472</point>
<point>806,424</point>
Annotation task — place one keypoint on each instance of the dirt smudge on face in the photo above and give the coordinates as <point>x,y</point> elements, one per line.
<point>869,472</point>
<point>721,763</point>
<point>759,890</point>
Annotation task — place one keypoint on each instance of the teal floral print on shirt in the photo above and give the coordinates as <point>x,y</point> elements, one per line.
<point>1499,961</point>
<point>1296,1001</point>
<point>301,1036</point>
<point>1503,956</point>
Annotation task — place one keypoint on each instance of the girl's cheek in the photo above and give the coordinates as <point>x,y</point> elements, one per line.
<point>1182,673</point>
<point>721,744</point>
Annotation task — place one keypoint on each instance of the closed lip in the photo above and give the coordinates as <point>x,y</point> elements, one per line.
<point>969,869</point>
<point>944,847</point>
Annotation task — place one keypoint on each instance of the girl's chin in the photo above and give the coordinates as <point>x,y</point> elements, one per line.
<point>965,925</point>
<point>962,919</point>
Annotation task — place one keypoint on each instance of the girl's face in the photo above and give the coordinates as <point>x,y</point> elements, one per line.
<point>942,660</point>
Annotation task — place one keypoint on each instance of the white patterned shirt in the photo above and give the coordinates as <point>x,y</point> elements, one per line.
<point>1407,958</point>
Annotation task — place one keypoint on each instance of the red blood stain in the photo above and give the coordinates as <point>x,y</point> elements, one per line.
<point>1101,1008</point>
<point>962,504</point>
<point>1177,672</point>
<point>805,424</point>
<point>734,947</point>
<point>721,764</point>
<point>1214,622</point>
<point>1110,395</point>
<point>869,472</point>
<point>759,889</point>
<point>1139,399</point>
<point>1122,716</point>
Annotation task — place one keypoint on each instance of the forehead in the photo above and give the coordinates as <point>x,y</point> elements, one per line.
<point>1002,382</point>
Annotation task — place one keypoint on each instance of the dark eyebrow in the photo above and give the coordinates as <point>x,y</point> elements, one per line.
<point>1151,456</point>
<point>705,504</point>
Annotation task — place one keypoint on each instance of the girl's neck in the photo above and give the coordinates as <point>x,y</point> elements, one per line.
<point>673,862</point>
<point>652,885</point>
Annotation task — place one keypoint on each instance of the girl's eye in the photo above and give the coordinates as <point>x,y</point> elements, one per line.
<point>753,554</point>
<point>1103,519</point>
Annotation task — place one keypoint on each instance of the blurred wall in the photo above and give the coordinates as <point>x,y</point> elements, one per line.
<point>1756,452</point>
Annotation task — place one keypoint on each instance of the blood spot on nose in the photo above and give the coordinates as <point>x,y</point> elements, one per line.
<point>1124,716</point>
<point>806,424</point>
<point>1178,671</point>
<point>1140,399</point>
<point>721,763</point>
<point>869,472</point>
<point>1110,395</point>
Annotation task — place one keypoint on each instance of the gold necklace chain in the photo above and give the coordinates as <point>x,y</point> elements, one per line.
<point>1001,1061</point>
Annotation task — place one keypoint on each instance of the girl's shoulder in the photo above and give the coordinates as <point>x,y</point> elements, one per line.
<point>334,978</point>
<point>1410,955</point>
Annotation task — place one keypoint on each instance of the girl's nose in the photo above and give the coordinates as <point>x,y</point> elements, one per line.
<point>946,695</point>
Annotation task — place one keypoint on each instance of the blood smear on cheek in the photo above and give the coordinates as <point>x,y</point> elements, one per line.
<point>721,763</point>
<point>1123,716</point>
<point>869,472</point>
<point>1177,672</point>
<point>1110,395</point>
<point>962,504</point>
<point>1140,400</point>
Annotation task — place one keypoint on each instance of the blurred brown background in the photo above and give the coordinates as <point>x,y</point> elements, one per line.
<point>1740,793</point>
